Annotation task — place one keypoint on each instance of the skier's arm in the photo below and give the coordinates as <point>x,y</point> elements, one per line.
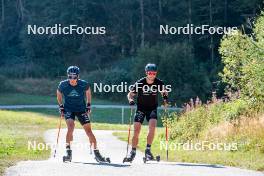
<point>132,93</point>
<point>88,96</point>
<point>88,100</point>
<point>59,97</point>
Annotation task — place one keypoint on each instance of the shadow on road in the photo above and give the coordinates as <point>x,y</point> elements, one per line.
<point>201,165</point>
<point>103,164</point>
<point>188,164</point>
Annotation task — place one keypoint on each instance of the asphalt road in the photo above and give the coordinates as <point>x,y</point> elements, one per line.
<point>83,162</point>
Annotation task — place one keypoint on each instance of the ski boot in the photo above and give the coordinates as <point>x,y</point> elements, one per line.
<point>68,156</point>
<point>149,156</point>
<point>130,158</point>
<point>98,157</point>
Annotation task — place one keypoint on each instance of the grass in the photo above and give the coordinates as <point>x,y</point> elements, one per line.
<point>218,123</point>
<point>16,130</point>
<point>30,99</point>
<point>24,99</point>
<point>107,115</point>
<point>18,127</point>
<point>253,160</point>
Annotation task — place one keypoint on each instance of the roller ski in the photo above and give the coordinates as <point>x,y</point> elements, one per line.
<point>98,157</point>
<point>149,157</point>
<point>68,156</point>
<point>130,158</point>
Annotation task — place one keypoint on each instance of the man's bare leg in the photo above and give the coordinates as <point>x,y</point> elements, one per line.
<point>92,139</point>
<point>88,131</point>
<point>151,132</point>
<point>69,137</point>
<point>137,129</point>
<point>70,128</point>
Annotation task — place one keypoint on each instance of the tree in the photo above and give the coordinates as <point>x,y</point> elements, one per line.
<point>242,55</point>
<point>176,68</point>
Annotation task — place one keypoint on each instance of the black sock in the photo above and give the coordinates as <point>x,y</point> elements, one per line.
<point>68,147</point>
<point>148,146</point>
<point>134,149</point>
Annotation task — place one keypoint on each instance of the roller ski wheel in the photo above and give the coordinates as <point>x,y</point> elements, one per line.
<point>149,157</point>
<point>98,157</point>
<point>157,158</point>
<point>104,160</point>
<point>129,158</point>
<point>68,157</point>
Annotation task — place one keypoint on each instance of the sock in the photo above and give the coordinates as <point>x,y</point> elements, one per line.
<point>148,146</point>
<point>68,147</point>
<point>134,149</point>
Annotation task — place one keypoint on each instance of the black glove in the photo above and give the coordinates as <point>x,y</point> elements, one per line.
<point>61,109</point>
<point>88,108</point>
<point>131,103</point>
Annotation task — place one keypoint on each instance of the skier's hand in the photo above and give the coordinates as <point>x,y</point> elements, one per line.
<point>165,100</point>
<point>61,109</point>
<point>88,108</point>
<point>131,103</point>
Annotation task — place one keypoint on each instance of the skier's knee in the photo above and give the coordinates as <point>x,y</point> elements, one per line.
<point>137,128</point>
<point>70,126</point>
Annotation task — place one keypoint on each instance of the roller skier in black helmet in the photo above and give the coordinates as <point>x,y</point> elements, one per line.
<point>146,89</point>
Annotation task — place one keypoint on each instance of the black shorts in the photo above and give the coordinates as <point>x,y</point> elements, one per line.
<point>149,114</point>
<point>82,117</point>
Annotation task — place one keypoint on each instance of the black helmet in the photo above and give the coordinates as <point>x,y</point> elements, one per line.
<point>73,70</point>
<point>151,67</point>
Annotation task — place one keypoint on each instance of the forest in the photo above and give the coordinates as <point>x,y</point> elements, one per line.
<point>190,63</point>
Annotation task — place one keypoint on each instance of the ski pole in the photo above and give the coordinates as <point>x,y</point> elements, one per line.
<point>167,132</point>
<point>58,135</point>
<point>129,129</point>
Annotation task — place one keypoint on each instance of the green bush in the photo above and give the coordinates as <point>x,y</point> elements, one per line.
<point>191,125</point>
<point>235,109</point>
<point>242,56</point>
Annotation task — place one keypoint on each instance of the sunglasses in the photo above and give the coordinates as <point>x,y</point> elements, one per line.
<point>72,76</point>
<point>152,73</point>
